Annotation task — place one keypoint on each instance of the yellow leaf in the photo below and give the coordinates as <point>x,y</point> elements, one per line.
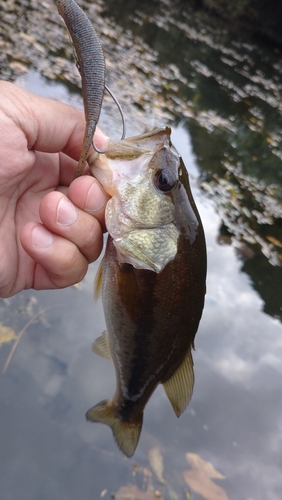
<point>274,241</point>
<point>197,462</point>
<point>7,334</point>
<point>200,482</point>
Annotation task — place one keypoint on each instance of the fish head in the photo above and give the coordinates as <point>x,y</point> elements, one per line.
<point>150,207</point>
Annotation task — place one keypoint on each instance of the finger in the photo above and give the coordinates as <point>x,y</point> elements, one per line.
<point>59,263</point>
<point>67,169</point>
<point>49,126</point>
<point>88,195</point>
<point>60,216</point>
<point>68,166</point>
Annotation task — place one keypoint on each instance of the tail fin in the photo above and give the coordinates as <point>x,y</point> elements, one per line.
<point>125,433</point>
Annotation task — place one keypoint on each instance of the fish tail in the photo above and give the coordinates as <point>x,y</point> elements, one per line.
<point>125,433</point>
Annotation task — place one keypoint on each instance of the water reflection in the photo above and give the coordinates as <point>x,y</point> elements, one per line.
<point>233,419</point>
<point>229,100</point>
<point>224,96</point>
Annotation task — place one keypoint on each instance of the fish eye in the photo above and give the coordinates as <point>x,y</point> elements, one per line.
<point>165,180</point>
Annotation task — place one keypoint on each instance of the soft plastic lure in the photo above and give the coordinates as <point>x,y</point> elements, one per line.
<point>91,65</point>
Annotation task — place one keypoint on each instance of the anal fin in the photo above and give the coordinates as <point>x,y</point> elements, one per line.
<point>179,387</point>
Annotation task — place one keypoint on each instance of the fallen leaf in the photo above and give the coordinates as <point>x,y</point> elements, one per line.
<point>147,473</point>
<point>7,334</point>
<point>29,38</point>
<point>21,333</point>
<point>174,496</point>
<point>132,492</point>
<point>197,462</point>
<point>18,66</point>
<point>200,482</point>
<point>156,462</point>
<point>274,241</point>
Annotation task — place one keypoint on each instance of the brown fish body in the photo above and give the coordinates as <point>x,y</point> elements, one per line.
<point>153,278</point>
<point>152,314</point>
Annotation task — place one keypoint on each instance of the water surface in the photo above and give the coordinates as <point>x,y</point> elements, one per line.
<point>222,96</point>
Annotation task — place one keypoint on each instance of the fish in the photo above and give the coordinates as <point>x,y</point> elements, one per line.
<point>153,274</point>
<point>91,65</point>
<point>152,279</point>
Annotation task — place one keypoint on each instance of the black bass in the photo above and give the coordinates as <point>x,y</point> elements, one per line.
<point>154,269</point>
<point>152,279</point>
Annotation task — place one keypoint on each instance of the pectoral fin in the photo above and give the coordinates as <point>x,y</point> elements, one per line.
<point>98,281</point>
<point>101,346</point>
<point>179,387</point>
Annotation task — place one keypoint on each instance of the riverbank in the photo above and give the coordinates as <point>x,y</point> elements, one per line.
<point>261,18</point>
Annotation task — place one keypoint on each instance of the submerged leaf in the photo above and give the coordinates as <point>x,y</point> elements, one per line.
<point>197,462</point>
<point>199,478</point>
<point>7,334</point>
<point>156,462</point>
<point>132,492</point>
<point>173,495</point>
<point>200,482</point>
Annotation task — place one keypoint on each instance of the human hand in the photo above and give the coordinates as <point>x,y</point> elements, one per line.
<point>50,227</point>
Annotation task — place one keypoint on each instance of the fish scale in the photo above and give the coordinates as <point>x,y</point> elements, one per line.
<point>152,313</point>
<point>153,273</point>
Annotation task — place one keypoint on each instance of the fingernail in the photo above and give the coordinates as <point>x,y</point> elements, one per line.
<point>95,198</point>
<point>41,238</point>
<point>66,213</point>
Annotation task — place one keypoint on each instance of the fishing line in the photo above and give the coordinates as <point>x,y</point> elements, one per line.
<point>122,118</point>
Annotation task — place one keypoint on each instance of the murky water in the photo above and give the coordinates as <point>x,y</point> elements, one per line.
<point>222,95</point>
